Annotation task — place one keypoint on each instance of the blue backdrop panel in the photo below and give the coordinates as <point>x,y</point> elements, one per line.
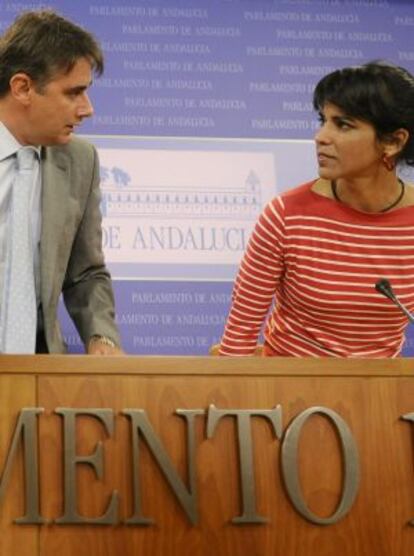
<point>222,68</point>
<point>166,317</point>
<point>227,68</point>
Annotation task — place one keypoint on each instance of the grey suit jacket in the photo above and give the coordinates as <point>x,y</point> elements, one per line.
<point>71,258</point>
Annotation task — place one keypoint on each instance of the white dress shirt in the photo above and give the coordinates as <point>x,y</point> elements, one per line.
<point>8,169</point>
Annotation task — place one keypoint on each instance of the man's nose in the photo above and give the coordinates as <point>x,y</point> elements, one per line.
<point>85,107</point>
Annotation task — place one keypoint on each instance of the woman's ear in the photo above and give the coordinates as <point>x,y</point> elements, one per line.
<point>396,142</point>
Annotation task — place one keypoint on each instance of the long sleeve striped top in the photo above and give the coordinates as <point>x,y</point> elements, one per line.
<point>318,261</point>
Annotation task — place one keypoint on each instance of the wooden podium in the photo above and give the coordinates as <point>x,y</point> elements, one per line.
<point>201,456</point>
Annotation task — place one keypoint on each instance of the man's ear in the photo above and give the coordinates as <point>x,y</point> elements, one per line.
<point>21,88</point>
<point>396,142</point>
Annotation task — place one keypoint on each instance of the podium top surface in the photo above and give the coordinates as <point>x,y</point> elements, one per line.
<point>203,365</point>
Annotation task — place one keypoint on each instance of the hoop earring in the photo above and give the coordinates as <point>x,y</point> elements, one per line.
<point>388,162</point>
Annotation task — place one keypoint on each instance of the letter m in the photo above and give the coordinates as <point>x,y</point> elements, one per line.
<point>25,431</point>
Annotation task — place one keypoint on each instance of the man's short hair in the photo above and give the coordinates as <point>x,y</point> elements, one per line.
<point>43,44</point>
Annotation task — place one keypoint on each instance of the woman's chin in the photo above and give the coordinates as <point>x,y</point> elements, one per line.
<point>325,174</point>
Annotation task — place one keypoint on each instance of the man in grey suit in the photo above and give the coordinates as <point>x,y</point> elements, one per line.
<point>46,67</point>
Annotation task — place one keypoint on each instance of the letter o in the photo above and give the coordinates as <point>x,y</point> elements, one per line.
<point>290,466</point>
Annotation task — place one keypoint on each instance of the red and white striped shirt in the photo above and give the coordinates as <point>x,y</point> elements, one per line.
<point>318,261</point>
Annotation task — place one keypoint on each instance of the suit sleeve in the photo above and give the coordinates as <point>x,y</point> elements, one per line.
<point>87,289</point>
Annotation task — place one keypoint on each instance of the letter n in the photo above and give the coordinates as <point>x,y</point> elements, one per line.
<point>187,498</point>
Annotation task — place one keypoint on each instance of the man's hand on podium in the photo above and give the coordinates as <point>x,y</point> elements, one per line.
<point>101,345</point>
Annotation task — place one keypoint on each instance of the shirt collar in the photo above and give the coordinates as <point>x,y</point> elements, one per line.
<point>9,144</point>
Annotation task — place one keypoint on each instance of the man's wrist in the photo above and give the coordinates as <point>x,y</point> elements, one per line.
<point>97,338</point>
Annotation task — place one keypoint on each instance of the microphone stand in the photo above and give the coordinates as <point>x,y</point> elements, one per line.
<point>383,286</point>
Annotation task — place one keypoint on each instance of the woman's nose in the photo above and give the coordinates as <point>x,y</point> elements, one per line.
<point>322,135</point>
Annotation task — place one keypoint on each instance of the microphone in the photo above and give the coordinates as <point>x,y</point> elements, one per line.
<point>383,286</point>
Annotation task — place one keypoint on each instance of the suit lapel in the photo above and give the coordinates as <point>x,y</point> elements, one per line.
<point>55,188</point>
